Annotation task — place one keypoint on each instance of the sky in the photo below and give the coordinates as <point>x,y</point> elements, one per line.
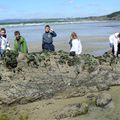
<point>27,9</point>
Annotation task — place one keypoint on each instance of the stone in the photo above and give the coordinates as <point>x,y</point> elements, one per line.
<point>102,87</point>
<point>103,99</point>
<point>73,111</point>
<point>47,74</point>
<point>11,59</point>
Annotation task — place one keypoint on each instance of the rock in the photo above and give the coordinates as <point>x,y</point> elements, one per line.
<point>93,89</point>
<point>89,63</point>
<point>102,87</point>
<point>79,92</point>
<point>47,74</point>
<point>103,99</point>
<point>21,57</point>
<point>9,74</point>
<point>0,77</point>
<point>11,59</point>
<point>91,100</point>
<point>73,111</point>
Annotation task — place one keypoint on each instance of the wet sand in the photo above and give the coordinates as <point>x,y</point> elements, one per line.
<point>47,109</point>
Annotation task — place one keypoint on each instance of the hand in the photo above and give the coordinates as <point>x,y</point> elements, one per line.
<point>115,54</point>
<point>51,30</point>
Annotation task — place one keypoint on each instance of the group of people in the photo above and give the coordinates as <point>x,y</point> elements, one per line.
<point>47,41</point>
<point>20,44</point>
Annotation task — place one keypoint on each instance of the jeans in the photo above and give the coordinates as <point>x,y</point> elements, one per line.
<point>1,53</point>
<point>49,47</point>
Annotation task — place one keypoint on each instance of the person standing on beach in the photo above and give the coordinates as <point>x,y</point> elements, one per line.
<point>4,45</point>
<point>75,44</point>
<point>47,39</point>
<point>115,44</point>
<point>20,44</point>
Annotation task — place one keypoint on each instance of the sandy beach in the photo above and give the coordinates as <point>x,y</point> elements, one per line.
<point>91,45</point>
<point>94,36</point>
<point>47,109</point>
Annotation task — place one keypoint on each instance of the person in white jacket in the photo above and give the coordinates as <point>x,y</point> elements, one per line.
<point>115,43</point>
<point>4,45</point>
<point>75,43</point>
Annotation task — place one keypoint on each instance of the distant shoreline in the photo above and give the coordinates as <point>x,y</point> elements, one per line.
<point>22,22</point>
<point>51,23</point>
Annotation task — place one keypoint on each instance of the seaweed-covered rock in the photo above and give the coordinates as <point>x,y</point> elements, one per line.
<point>108,58</point>
<point>88,62</point>
<point>74,61</point>
<point>64,57</point>
<point>48,74</point>
<point>10,59</point>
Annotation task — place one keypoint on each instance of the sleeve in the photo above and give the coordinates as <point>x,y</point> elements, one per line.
<point>43,42</point>
<point>43,39</point>
<point>25,48</point>
<point>80,47</point>
<point>53,33</point>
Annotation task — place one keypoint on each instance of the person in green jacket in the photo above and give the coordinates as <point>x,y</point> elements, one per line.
<point>20,44</point>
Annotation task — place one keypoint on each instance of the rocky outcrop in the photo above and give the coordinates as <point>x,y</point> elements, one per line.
<point>73,111</point>
<point>45,75</point>
<point>103,100</point>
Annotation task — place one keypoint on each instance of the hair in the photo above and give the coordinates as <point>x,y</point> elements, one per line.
<point>74,36</point>
<point>119,35</point>
<point>47,26</point>
<point>3,29</point>
<point>17,32</point>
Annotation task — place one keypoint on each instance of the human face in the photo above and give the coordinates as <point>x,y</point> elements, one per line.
<point>2,33</point>
<point>47,29</point>
<point>17,36</point>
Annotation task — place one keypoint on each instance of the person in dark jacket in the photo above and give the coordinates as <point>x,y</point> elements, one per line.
<point>47,39</point>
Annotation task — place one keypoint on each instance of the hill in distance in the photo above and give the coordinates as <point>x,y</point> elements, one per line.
<point>112,16</point>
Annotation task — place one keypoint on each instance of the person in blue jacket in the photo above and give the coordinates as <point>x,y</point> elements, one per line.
<point>47,39</point>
